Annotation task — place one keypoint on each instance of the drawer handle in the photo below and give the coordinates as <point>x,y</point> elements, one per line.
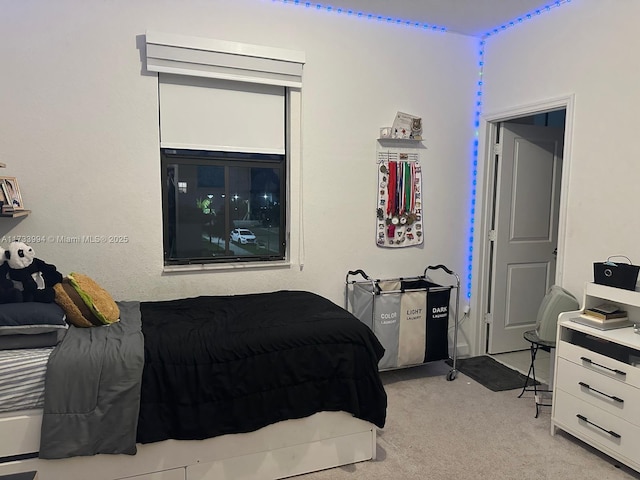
<point>612,397</point>
<point>591,362</point>
<point>610,432</point>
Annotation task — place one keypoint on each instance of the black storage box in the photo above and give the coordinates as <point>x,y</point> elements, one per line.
<point>620,275</point>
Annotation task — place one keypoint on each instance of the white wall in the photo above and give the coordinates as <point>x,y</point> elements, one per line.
<point>586,48</point>
<point>79,128</point>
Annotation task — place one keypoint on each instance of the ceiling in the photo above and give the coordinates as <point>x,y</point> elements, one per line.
<point>468,17</point>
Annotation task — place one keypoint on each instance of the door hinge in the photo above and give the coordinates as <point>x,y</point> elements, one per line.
<point>488,318</point>
<point>492,235</point>
<point>497,149</point>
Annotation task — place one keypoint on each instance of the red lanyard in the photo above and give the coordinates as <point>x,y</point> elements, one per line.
<point>391,189</point>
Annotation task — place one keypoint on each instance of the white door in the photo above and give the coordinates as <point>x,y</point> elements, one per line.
<point>525,230</point>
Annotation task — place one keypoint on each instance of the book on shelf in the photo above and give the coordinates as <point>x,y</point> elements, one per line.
<point>593,319</point>
<point>605,312</point>
<point>606,308</point>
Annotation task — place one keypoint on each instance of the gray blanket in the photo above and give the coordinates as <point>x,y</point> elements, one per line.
<point>92,389</point>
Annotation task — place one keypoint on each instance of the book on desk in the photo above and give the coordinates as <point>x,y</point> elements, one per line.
<point>605,316</point>
<point>605,311</point>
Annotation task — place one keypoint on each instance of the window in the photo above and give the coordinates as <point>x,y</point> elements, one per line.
<point>222,206</point>
<point>229,141</point>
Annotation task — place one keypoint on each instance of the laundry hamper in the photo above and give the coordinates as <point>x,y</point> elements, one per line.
<point>408,315</point>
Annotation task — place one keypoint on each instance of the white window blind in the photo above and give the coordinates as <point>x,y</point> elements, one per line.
<point>222,115</point>
<point>220,95</point>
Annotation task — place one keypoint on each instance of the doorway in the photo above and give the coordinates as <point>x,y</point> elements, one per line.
<point>526,169</point>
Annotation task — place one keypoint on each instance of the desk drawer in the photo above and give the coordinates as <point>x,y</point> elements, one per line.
<point>611,395</point>
<point>597,426</point>
<point>602,364</point>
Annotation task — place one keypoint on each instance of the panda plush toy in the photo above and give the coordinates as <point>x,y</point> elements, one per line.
<point>33,276</point>
<point>8,292</point>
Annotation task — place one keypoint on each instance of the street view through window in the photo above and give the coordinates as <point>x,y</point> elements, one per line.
<point>222,207</point>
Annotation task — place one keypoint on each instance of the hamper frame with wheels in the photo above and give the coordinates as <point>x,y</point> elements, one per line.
<point>408,315</point>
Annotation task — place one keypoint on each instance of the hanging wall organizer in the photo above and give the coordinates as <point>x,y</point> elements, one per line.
<point>399,208</point>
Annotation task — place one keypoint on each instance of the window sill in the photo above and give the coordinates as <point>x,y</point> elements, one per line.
<point>225,266</point>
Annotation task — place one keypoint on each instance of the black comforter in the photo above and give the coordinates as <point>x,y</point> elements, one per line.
<point>231,364</point>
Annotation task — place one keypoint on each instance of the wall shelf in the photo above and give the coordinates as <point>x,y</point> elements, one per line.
<point>396,141</point>
<point>18,213</point>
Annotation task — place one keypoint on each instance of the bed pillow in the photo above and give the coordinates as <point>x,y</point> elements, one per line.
<point>85,303</point>
<point>31,325</point>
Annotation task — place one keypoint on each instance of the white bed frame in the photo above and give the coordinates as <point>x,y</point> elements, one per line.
<point>321,441</point>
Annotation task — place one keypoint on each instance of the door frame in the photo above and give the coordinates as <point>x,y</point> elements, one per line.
<point>482,268</point>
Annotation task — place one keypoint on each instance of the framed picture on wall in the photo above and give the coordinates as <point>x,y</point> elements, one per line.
<point>11,193</point>
<point>3,197</point>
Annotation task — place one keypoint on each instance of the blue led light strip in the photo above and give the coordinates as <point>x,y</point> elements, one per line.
<point>474,165</point>
<point>478,109</point>
<point>523,18</point>
<point>363,15</point>
<point>476,123</point>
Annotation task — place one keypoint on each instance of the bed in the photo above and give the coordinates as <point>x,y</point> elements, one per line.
<point>247,386</point>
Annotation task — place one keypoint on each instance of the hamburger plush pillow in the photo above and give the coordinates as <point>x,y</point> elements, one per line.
<point>85,303</point>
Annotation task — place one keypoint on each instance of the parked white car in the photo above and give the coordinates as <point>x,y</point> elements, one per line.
<point>243,236</point>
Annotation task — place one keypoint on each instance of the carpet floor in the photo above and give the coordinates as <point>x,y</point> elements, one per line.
<point>460,430</point>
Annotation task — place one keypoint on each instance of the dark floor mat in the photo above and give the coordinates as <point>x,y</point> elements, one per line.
<point>490,373</point>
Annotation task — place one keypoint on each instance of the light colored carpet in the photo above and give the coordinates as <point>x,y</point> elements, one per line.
<point>441,430</point>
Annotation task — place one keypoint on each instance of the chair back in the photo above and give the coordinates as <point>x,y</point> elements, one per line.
<point>556,301</point>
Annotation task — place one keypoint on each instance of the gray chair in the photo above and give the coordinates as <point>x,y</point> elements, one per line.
<point>556,301</point>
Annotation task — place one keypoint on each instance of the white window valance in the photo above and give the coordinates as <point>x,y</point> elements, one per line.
<point>204,57</point>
